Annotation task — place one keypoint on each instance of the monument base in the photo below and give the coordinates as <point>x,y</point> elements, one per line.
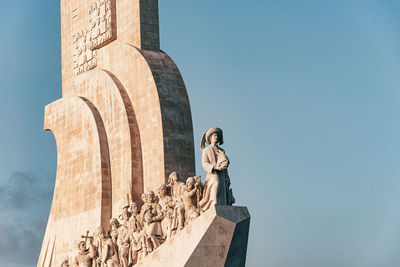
<point>217,238</point>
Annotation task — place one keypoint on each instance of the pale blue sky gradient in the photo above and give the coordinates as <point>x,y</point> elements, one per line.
<point>307,93</point>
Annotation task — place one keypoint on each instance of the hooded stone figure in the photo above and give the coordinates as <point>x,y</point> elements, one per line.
<point>215,162</point>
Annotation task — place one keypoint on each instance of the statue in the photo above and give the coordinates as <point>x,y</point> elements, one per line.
<point>215,163</point>
<point>85,256</point>
<point>106,250</point>
<point>123,240</point>
<point>177,187</point>
<point>167,205</point>
<point>136,235</point>
<point>189,197</point>
<point>134,223</point>
<point>114,223</point>
<point>151,217</point>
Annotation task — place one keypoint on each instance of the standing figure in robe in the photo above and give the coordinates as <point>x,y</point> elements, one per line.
<point>136,235</point>
<point>167,205</point>
<point>215,162</point>
<point>114,223</point>
<point>151,216</point>
<point>106,250</point>
<point>124,240</point>
<point>177,188</point>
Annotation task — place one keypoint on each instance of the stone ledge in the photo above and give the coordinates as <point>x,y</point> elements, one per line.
<point>217,238</point>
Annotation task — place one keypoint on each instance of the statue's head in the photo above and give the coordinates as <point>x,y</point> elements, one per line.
<point>162,190</point>
<point>134,208</point>
<point>150,197</point>
<point>82,246</point>
<point>190,182</point>
<point>125,214</point>
<point>173,178</point>
<point>100,232</point>
<point>213,136</point>
<point>114,223</point>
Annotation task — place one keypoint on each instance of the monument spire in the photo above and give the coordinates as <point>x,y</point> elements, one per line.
<point>147,34</point>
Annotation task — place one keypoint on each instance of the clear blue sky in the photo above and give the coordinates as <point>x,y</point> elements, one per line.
<point>307,93</point>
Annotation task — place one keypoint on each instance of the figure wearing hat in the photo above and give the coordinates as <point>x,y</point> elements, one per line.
<point>215,163</point>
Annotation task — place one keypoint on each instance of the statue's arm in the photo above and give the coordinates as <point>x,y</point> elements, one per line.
<point>205,161</point>
<point>160,214</point>
<point>92,251</point>
<point>75,262</point>
<point>191,193</point>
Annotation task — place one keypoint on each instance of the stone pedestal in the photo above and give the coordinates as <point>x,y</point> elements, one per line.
<point>217,238</point>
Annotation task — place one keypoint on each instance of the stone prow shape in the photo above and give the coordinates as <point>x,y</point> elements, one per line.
<point>82,150</point>
<point>217,238</point>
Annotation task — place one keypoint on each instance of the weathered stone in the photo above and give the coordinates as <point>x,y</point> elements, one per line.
<point>217,238</point>
<point>122,127</point>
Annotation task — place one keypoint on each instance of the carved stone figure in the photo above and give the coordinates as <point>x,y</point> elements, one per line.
<point>167,205</point>
<point>85,256</point>
<point>134,223</point>
<point>136,235</point>
<point>114,223</point>
<point>200,188</point>
<point>177,188</point>
<point>215,163</point>
<point>189,197</point>
<point>106,250</point>
<point>123,240</point>
<point>151,217</point>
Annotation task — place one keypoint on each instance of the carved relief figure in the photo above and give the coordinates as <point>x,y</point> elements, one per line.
<point>177,188</point>
<point>134,224</point>
<point>107,252</point>
<point>123,240</point>
<point>114,223</point>
<point>136,235</point>
<point>151,217</point>
<point>189,197</point>
<point>215,163</point>
<point>85,256</point>
<point>167,205</point>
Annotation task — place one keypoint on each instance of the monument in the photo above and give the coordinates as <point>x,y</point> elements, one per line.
<point>126,193</point>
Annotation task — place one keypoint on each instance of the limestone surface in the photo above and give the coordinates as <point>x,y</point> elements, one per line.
<point>217,238</point>
<point>123,130</point>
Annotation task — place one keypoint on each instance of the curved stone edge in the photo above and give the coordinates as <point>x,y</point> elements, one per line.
<point>159,98</point>
<point>109,97</point>
<point>77,118</point>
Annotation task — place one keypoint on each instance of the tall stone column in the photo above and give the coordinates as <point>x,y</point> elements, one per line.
<point>123,123</point>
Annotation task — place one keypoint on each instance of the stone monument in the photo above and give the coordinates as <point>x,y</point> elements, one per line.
<point>126,192</point>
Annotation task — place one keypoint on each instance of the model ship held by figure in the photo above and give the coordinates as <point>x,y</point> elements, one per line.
<point>139,231</point>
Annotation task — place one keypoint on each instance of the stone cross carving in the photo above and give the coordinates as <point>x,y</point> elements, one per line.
<point>86,237</point>
<point>100,31</point>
